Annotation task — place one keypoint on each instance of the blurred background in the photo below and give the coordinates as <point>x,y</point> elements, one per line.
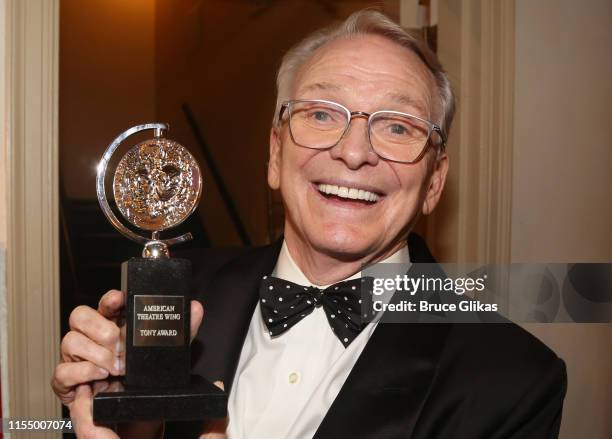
<point>530,148</point>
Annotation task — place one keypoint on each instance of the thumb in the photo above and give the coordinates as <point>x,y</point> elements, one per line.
<point>111,304</point>
<point>197,313</point>
<point>81,415</point>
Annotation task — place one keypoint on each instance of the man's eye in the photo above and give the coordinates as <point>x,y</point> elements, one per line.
<point>321,116</point>
<point>398,129</point>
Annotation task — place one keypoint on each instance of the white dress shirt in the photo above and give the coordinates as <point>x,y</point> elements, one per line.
<point>284,385</point>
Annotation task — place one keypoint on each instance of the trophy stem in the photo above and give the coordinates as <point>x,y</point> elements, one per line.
<point>155,249</point>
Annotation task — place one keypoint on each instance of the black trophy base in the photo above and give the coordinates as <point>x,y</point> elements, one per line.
<point>199,400</point>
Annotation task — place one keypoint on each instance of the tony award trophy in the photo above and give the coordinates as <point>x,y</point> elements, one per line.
<point>157,185</point>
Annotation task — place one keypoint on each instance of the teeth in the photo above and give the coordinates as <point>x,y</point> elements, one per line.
<point>348,192</point>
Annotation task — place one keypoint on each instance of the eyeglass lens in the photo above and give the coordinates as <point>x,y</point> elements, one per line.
<point>393,135</point>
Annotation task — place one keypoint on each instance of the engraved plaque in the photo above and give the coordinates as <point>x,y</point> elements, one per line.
<point>158,320</point>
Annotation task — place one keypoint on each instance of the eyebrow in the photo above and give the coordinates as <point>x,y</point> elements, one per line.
<point>399,98</point>
<point>325,86</point>
<point>403,99</point>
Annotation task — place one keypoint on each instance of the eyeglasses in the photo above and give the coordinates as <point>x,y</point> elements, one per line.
<point>395,136</point>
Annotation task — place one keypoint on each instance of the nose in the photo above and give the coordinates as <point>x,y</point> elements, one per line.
<point>354,148</point>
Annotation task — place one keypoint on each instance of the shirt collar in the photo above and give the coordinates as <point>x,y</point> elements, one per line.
<point>287,269</point>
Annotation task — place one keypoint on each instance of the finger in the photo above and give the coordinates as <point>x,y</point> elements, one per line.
<point>219,384</point>
<point>80,410</point>
<point>120,347</point>
<point>111,304</point>
<point>68,375</point>
<point>116,386</point>
<point>77,347</point>
<point>100,386</point>
<point>81,415</point>
<point>197,313</point>
<point>95,326</point>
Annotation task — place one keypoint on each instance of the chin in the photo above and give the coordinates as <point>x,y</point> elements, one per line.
<point>343,243</point>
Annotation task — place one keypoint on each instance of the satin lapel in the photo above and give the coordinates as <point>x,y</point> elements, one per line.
<point>384,393</point>
<point>229,303</point>
<point>386,389</point>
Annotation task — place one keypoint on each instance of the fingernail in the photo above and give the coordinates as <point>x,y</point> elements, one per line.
<point>119,346</point>
<point>103,373</point>
<point>120,366</point>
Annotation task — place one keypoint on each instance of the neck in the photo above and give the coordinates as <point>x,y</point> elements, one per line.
<point>325,268</point>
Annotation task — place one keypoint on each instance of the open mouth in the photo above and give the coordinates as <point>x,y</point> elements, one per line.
<point>346,193</point>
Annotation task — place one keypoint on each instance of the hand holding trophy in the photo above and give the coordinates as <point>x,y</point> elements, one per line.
<point>156,186</point>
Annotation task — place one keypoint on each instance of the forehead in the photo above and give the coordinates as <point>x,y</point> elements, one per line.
<point>367,70</point>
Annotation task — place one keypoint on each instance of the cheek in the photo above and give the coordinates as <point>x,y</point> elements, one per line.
<point>295,163</point>
<point>412,187</point>
<point>290,177</point>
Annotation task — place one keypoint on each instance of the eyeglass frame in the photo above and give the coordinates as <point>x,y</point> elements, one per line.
<point>285,106</point>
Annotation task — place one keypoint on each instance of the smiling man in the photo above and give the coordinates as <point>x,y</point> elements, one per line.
<point>357,150</point>
<point>353,124</point>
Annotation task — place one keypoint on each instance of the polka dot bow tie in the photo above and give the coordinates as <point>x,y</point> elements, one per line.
<point>283,304</point>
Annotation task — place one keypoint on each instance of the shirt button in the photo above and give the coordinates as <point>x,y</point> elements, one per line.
<point>294,377</point>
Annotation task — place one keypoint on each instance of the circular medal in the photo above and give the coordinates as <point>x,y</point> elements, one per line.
<point>157,184</point>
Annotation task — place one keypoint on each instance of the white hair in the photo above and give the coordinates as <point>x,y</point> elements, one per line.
<point>367,22</point>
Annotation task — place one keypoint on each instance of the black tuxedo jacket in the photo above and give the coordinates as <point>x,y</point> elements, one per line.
<point>418,380</point>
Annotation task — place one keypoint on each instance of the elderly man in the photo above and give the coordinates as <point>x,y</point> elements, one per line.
<point>357,152</point>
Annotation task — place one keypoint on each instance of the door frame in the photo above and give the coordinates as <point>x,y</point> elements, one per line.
<point>472,223</point>
<point>30,320</point>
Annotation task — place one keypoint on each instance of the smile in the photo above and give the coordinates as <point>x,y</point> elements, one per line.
<point>350,193</point>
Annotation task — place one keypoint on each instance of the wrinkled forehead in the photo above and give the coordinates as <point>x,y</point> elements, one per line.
<point>368,69</point>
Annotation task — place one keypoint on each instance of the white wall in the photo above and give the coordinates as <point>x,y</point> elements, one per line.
<point>562,179</point>
<point>563,131</point>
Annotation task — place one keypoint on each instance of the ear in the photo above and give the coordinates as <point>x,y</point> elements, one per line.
<point>436,183</point>
<point>274,161</point>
